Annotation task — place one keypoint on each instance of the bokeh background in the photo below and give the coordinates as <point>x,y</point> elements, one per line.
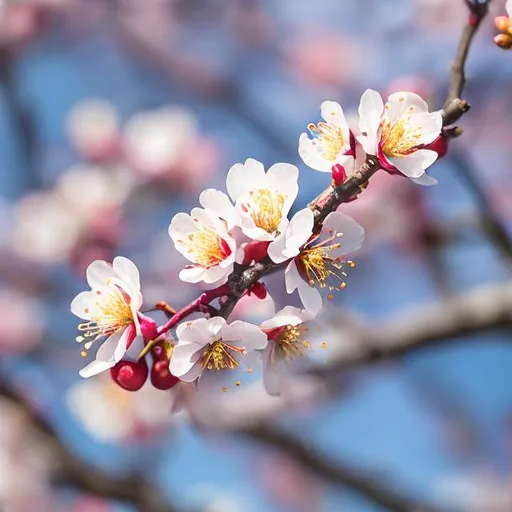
<point>114,115</point>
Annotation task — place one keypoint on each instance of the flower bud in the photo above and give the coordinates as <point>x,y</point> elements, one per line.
<point>148,327</point>
<point>339,175</point>
<point>504,41</point>
<point>161,377</point>
<point>129,375</point>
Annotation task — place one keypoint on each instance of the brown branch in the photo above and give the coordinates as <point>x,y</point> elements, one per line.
<point>72,472</point>
<point>335,471</point>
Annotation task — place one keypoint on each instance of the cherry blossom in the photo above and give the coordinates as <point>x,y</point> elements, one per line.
<point>329,142</point>
<point>320,260</point>
<point>263,199</point>
<point>397,132</point>
<point>204,238</point>
<point>111,309</point>
<point>216,353</point>
<point>287,340</point>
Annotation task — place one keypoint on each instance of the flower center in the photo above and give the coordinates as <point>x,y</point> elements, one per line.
<point>266,208</point>
<point>401,138</point>
<point>288,342</point>
<point>207,248</point>
<point>318,267</point>
<point>112,311</point>
<point>330,139</point>
<point>219,356</point>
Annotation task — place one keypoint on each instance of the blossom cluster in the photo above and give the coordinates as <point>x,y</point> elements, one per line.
<point>199,349</point>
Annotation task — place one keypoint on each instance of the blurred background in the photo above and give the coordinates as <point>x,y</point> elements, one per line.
<point>115,114</point>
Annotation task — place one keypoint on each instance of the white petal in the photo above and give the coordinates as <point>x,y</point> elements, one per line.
<point>414,165</point>
<point>208,218</point>
<point>370,111</point>
<point>292,277</point>
<point>284,179</point>
<point>333,113</point>
<point>399,102</point>
<point>98,273</point>
<point>215,327</point>
<point>195,331</point>
<point>312,156</point>
<point>276,248</point>
<point>81,305</point>
<point>424,180</point>
<point>107,355</point>
<point>310,297</point>
<point>217,275</point>
<point>289,315</point>
<point>508,7</point>
<point>244,334</point>
<point>192,274</point>
<point>353,233</point>
<point>271,376</point>
<point>242,178</point>
<point>218,202</point>
<point>430,124</point>
<point>299,231</point>
<point>128,272</point>
<point>95,367</point>
<point>181,226</point>
<point>185,357</point>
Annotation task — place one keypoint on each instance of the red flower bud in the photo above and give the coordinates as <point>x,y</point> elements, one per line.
<point>148,327</point>
<point>161,377</point>
<point>255,251</point>
<point>259,290</point>
<point>339,175</point>
<point>129,375</point>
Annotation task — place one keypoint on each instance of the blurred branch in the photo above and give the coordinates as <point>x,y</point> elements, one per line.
<point>22,121</point>
<point>74,473</point>
<point>334,470</point>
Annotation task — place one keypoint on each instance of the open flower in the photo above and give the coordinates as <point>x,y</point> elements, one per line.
<point>288,341</point>
<point>329,142</point>
<point>397,132</point>
<point>204,239</point>
<point>111,309</point>
<point>263,200</point>
<point>319,260</point>
<point>211,351</point>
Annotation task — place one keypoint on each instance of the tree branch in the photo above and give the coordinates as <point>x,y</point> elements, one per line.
<point>72,472</point>
<point>335,471</point>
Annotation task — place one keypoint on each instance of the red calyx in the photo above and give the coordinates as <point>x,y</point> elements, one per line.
<point>148,327</point>
<point>129,375</point>
<point>440,146</point>
<point>161,377</point>
<point>339,175</point>
<point>255,251</point>
<point>259,290</point>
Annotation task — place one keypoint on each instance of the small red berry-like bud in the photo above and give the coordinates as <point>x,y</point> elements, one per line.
<point>129,375</point>
<point>161,377</point>
<point>440,146</point>
<point>504,41</point>
<point>474,19</point>
<point>339,175</point>
<point>255,251</point>
<point>259,290</point>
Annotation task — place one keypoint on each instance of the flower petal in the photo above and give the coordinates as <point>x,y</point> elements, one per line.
<point>312,157</point>
<point>333,113</point>
<point>81,305</point>
<point>370,111</point>
<point>299,231</point>
<point>310,297</point>
<point>352,237</point>
<point>195,331</point>
<point>185,361</point>
<point>128,272</point>
<point>424,180</point>
<point>289,315</point>
<point>414,165</point>
<point>218,202</point>
<point>242,178</point>
<point>98,273</point>
<point>292,277</point>
<point>245,335</point>
<point>109,353</point>
<point>399,102</point>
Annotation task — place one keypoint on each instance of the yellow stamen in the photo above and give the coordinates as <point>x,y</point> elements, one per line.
<point>266,208</point>
<point>206,247</point>
<point>218,356</point>
<point>401,138</point>
<point>330,138</point>
<point>287,342</point>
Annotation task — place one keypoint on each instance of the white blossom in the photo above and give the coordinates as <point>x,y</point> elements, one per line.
<point>397,132</point>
